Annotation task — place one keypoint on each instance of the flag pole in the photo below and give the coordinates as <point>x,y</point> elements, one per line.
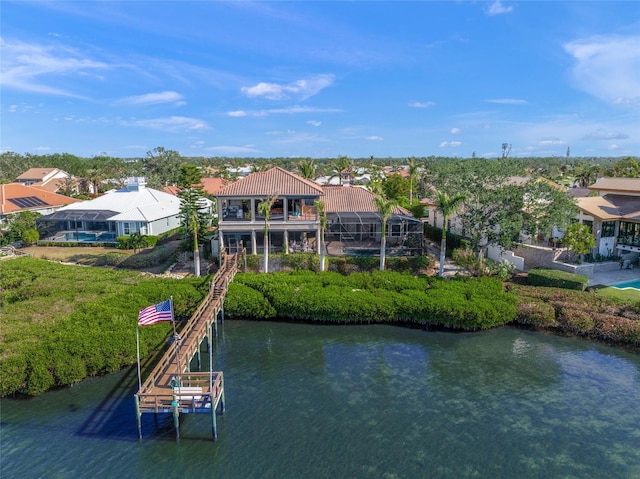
<point>138,351</point>
<point>176,341</point>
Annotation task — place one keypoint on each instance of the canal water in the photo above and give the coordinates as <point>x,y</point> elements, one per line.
<point>307,401</point>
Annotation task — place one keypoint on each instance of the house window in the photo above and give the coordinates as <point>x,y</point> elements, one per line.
<point>589,224</point>
<point>126,228</point>
<point>608,229</point>
<point>396,230</point>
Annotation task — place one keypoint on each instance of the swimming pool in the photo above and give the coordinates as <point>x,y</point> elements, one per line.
<point>633,284</point>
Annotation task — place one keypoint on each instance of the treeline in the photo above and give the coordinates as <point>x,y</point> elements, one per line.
<point>161,166</point>
<point>63,323</point>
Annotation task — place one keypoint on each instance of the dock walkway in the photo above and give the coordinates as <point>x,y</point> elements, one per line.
<point>172,387</point>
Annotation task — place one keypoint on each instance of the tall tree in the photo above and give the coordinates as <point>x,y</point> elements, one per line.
<point>414,170</point>
<point>385,210</point>
<point>322,216</point>
<point>447,207</point>
<point>264,208</point>
<point>190,176</point>
<point>194,220</point>
<point>161,167</point>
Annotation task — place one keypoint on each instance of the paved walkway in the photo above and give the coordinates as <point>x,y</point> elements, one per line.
<point>615,276</point>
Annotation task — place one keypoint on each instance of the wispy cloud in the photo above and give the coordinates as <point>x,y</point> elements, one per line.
<point>450,144</point>
<point>153,99</point>
<point>374,138</point>
<point>314,123</point>
<point>497,8</point>
<point>283,111</point>
<point>421,104</point>
<point>456,131</point>
<point>605,135</point>
<point>607,67</point>
<point>31,67</point>
<point>507,101</point>
<point>172,123</point>
<point>299,89</point>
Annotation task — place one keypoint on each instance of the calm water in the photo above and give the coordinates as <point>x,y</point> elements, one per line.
<point>354,402</point>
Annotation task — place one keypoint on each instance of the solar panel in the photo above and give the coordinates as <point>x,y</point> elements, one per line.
<point>28,202</point>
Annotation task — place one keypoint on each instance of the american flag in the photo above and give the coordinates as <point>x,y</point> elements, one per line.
<point>156,313</point>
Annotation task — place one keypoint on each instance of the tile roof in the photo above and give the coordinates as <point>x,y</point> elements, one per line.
<point>267,183</point>
<point>37,173</point>
<point>350,199</point>
<point>15,191</point>
<point>212,186</point>
<point>621,185</point>
<point>611,207</point>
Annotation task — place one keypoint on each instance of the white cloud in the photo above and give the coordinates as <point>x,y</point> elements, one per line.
<point>613,147</point>
<point>552,142</point>
<point>172,123</point>
<point>607,67</point>
<point>605,135</point>
<point>12,108</point>
<point>496,8</point>
<point>456,131</point>
<point>286,111</point>
<point>314,123</point>
<point>452,144</point>
<point>299,89</point>
<point>421,104</point>
<point>374,138</point>
<point>28,67</point>
<point>507,101</point>
<point>154,98</point>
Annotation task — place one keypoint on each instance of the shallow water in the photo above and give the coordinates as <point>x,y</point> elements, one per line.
<point>307,401</point>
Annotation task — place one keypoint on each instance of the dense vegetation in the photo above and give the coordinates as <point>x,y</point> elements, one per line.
<point>62,323</point>
<point>586,314</point>
<point>372,298</point>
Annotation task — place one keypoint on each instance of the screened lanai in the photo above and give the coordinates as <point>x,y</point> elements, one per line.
<point>359,234</point>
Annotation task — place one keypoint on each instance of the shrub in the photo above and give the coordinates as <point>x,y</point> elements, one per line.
<point>557,279</point>
<point>535,312</point>
<point>30,236</point>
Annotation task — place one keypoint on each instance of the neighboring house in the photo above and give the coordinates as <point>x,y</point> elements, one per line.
<point>294,225</point>
<point>51,179</point>
<point>132,209</point>
<point>16,197</point>
<point>613,215</point>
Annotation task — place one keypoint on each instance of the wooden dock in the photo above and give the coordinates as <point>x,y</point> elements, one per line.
<point>172,387</point>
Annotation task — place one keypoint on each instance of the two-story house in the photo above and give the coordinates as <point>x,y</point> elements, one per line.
<point>353,224</point>
<point>613,215</point>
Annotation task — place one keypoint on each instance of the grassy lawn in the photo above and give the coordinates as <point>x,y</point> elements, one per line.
<point>611,292</point>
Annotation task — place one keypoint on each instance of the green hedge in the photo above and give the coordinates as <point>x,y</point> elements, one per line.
<point>381,296</point>
<point>557,279</point>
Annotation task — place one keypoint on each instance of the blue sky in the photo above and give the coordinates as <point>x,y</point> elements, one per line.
<point>321,79</point>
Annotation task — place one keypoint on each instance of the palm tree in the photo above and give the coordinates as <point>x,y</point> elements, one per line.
<point>307,168</point>
<point>194,221</point>
<point>385,209</point>
<point>340,166</point>
<point>136,241</point>
<point>264,208</point>
<point>322,216</point>
<point>413,175</point>
<point>447,206</point>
